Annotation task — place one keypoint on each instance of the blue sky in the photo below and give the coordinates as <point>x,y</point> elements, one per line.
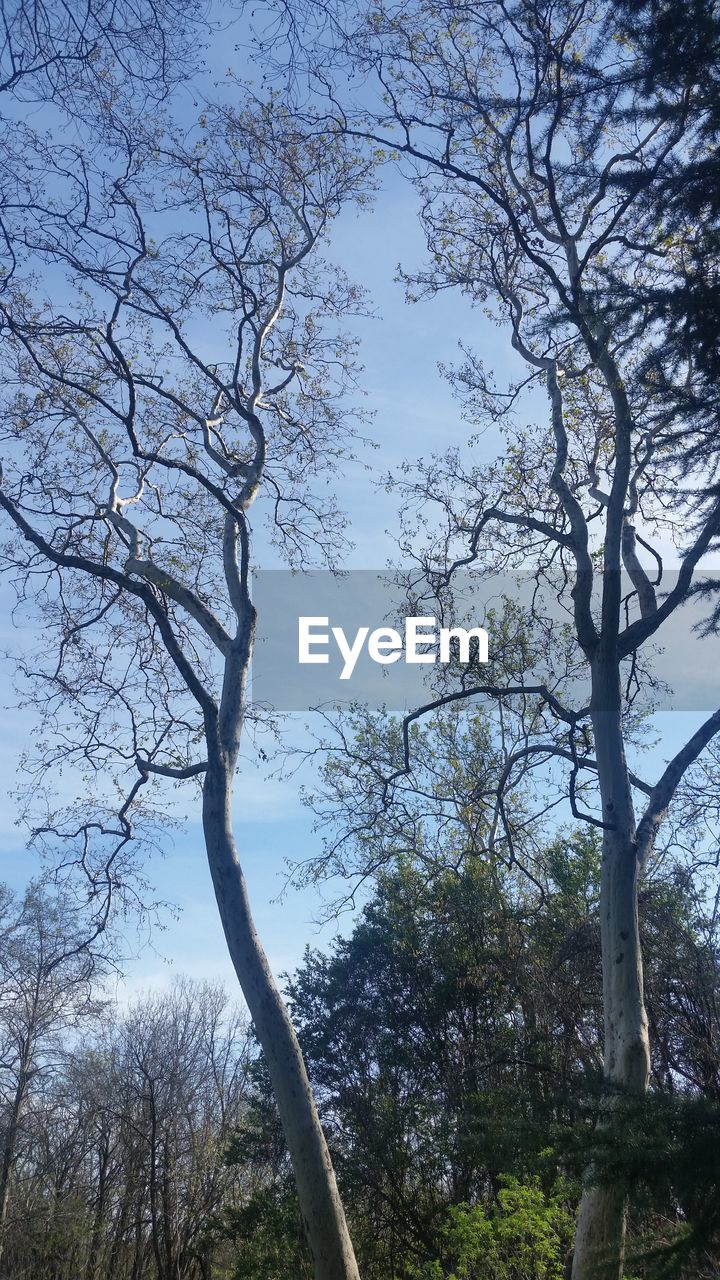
<point>414,415</point>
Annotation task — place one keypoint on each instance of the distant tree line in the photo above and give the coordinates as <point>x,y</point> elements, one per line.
<point>114,1124</point>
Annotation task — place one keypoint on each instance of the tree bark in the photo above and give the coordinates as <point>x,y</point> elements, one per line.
<point>96,1239</point>
<point>320,1205</point>
<point>600,1236</point>
<point>8,1154</point>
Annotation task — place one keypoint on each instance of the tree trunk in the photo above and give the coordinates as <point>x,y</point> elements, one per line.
<point>96,1239</point>
<point>8,1153</point>
<point>120,1242</point>
<point>320,1204</point>
<point>600,1237</point>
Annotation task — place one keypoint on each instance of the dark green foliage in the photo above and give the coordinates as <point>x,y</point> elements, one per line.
<point>676,65</point>
<point>450,1039</point>
<point>267,1237</point>
<point>265,1227</point>
<point>665,1150</point>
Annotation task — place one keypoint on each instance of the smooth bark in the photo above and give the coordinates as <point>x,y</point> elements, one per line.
<point>321,1208</point>
<point>600,1235</point>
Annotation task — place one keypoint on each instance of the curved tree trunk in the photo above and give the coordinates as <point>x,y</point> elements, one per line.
<point>600,1237</point>
<point>320,1204</point>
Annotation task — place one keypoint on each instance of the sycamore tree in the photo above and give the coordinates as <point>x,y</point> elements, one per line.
<point>539,146</point>
<point>175,363</point>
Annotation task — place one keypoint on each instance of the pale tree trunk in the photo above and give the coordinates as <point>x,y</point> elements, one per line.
<point>600,1236</point>
<point>321,1208</point>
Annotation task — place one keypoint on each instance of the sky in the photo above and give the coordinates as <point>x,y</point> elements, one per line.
<point>414,414</point>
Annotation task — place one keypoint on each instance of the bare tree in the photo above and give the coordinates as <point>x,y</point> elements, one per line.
<point>48,984</point>
<point>52,50</point>
<point>193,371</point>
<point>72,78</point>
<point>123,1170</point>
<point>185,1062</point>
